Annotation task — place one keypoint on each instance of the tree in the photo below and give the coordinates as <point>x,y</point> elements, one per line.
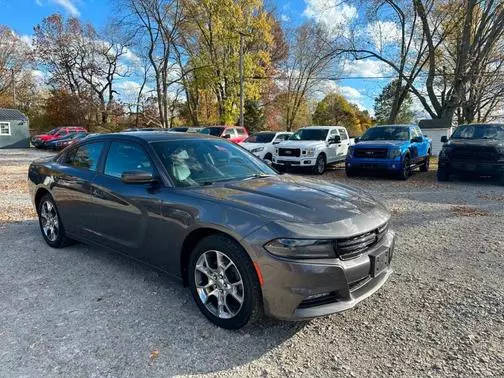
<point>310,56</point>
<point>253,116</point>
<point>384,105</point>
<point>14,59</point>
<point>334,109</point>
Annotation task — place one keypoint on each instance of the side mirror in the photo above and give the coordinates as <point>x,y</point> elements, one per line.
<point>137,177</point>
<point>356,139</point>
<point>226,136</point>
<point>335,139</point>
<point>417,139</point>
<point>444,139</point>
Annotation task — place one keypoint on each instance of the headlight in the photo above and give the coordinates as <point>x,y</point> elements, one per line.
<point>310,151</point>
<point>258,149</point>
<point>301,248</point>
<point>393,153</point>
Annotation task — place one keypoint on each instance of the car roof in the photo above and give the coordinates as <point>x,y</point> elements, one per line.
<point>150,136</point>
<point>322,127</point>
<point>398,125</point>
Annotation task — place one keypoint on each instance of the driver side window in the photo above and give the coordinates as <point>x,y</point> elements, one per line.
<point>228,132</point>
<point>124,156</point>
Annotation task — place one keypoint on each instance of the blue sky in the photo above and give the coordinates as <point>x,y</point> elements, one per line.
<point>23,15</point>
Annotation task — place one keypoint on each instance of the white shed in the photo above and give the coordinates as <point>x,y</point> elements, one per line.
<point>435,129</point>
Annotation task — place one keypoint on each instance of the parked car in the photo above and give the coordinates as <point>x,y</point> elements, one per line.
<point>60,132</point>
<point>59,144</point>
<point>262,144</point>
<point>397,149</point>
<point>313,147</point>
<point>243,238</point>
<point>476,149</point>
<point>131,129</point>
<point>234,134</point>
<point>186,129</point>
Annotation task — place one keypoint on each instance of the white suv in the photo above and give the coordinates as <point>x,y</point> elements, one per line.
<point>263,143</point>
<point>314,146</point>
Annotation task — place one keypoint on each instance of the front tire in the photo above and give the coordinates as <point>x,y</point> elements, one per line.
<point>443,175</point>
<point>224,283</point>
<point>50,223</point>
<point>406,168</point>
<point>320,165</point>
<point>350,172</point>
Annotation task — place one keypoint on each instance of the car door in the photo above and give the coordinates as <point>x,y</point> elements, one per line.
<point>72,186</point>
<point>345,142</point>
<point>423,148</point>
<point>332,148</point>
<point>415,146</point>
<point>125,211</point>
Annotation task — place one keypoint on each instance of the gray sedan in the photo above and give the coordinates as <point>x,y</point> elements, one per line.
<point>245,240</point>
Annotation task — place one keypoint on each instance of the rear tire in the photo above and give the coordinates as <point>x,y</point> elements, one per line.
<point>320,165</point>
<point>215,283</point>
<point>50,223</point>
<point>425,166</point>
<point>443,175</point>
<point>351,172</point>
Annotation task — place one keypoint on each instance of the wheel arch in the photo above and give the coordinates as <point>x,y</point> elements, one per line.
<point>38,196</point>
<point>191,240</point>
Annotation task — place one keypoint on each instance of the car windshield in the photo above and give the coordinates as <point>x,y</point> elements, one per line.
<point>195,163</point>
<point>54,131</point>
<point>215,131</point>
<point>386,133</point>
<point>309,134</point>
<point>260,138</point>
<point>479,132</point>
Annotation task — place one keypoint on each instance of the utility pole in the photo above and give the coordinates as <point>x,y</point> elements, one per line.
<point>241,79</point>
<point>13,88</point>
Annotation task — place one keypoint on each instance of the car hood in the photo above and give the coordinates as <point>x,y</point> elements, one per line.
<point>301,143</point>
<point>251,146</point>
<point>293,199</point>
<point>381,143</point>
<point>475,142</point>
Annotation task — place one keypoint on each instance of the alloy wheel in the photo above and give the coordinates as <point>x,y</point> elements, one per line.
<point>219,284</point>
<point>49,221</point>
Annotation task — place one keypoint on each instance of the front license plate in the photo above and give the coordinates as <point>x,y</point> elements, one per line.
<point>379,262</point>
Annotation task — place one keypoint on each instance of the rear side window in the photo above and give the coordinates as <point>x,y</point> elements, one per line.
<point>230,132</point>
<point>123,157</point>
<point>85,156</point>
<point>241,132</point>
<point>343,134</point>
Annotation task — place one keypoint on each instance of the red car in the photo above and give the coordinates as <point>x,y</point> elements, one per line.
<point>39,141</point>
<point>233,133</point>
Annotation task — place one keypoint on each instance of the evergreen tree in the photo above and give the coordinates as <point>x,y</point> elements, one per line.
<point>383,106</point>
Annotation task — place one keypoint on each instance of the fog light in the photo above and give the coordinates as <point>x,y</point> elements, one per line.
<point>393,165</point>
<point>307,162</point>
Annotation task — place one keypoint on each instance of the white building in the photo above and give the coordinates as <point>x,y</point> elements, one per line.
<point>435,129</point>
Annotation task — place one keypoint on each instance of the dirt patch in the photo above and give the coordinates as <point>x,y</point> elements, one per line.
<point>466,211</point>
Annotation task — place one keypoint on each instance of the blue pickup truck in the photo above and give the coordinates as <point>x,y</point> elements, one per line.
<point>394,148</point>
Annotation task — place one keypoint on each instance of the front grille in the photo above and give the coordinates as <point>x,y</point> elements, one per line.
<point>289,152</point>
<point>351,247</point>
<point>371,153</point>
<point>474,153</point>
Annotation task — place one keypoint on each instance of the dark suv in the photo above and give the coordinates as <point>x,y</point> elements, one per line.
<point>476,149</point>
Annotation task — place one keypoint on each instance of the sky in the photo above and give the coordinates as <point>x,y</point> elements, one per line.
<point>23,15</point>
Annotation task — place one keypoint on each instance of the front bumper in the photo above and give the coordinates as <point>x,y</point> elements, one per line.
<point>373,164</point>
<point>474,167</point>
<point>294,161</point>
<point>304,289</point>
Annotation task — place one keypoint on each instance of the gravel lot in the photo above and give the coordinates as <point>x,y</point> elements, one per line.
<point>85,311</point>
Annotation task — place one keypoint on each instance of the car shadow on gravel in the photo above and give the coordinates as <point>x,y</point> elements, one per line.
<point>86,311</point>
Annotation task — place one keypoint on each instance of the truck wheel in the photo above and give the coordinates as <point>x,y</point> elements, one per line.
<point>425,166</point>
<point>268,156</point>
<point>406,168</point>
<point>443,175</point>
<point>320,165</point>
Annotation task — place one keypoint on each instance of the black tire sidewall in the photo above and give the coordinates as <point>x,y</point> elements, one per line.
<point>317,164</point>
<point>252,305</point>
<point>60,240</point>
<point>405,173</point>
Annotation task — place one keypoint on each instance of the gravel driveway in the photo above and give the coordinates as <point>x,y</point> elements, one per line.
<point>85,311</point>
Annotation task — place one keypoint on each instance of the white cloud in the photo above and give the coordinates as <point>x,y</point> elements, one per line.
<point>383,33</point>
<point>69,6</point>
<point>333,14</point>
<point>366,68</point>
<point>284,17</point>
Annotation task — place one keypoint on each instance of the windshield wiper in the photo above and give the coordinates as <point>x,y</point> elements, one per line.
<point>257,175</point>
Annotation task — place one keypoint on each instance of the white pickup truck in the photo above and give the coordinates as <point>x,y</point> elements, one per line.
<point>314,147</point>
